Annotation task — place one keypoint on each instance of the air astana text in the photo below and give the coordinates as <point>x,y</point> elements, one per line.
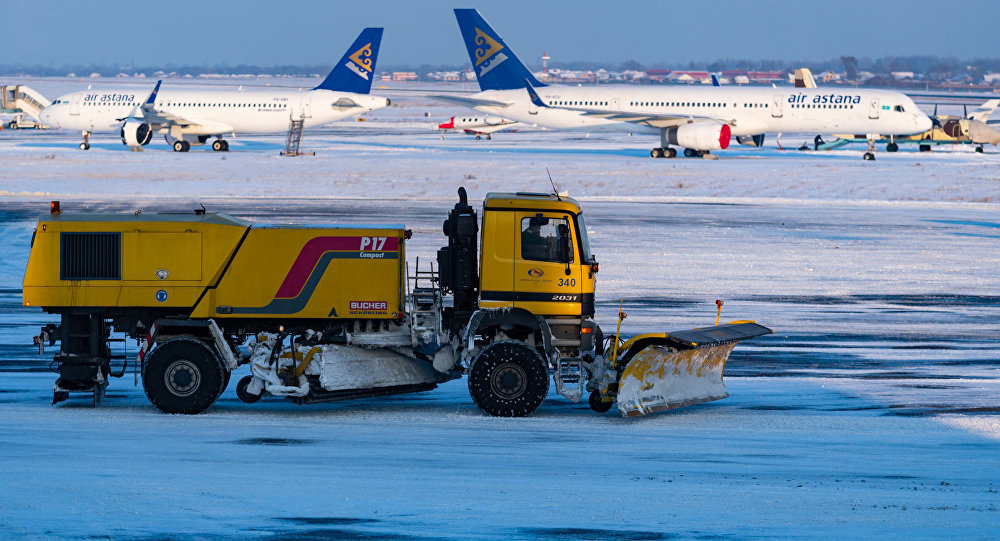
<point>109,97</point>
<point>824,98</point>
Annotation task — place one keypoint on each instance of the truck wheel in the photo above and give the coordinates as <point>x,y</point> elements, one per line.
<point>508,379</point>
<point>225,381</point>
<point>183,375</point>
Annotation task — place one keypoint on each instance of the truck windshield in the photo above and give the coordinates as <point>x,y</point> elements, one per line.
<point>581,226</point>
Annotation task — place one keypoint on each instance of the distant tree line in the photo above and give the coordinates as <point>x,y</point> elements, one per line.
<point>931,66</point>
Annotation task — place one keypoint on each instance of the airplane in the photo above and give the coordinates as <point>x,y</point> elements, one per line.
<point>192,117</point>
<point>487,125</point>
<point>700,119</point>
<point>947,130</point>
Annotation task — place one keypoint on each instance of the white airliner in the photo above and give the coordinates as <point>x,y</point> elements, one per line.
<point>700,119</point>
<point>192,117</point>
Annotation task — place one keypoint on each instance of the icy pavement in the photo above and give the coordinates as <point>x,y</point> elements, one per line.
<point>871,412</point>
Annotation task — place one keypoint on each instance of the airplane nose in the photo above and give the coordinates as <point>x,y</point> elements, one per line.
<point>923,123</point>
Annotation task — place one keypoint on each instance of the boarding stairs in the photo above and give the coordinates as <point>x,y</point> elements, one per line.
<point>21,98</point>
<point>294,139</point>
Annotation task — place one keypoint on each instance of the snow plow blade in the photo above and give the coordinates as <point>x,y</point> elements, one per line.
<point>679,368</point>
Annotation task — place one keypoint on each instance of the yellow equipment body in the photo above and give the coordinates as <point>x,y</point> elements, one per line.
<point>216,266</point>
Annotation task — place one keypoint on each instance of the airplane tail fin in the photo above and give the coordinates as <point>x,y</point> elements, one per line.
<point>495,64</point>
<point>984,111</point>
<point>356,68</point>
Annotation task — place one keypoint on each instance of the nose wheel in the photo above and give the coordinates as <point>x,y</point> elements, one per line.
<point>870,155</point>
<point>85,145</point>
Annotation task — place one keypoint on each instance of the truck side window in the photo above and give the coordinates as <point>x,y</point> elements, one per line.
<point>540,238</point>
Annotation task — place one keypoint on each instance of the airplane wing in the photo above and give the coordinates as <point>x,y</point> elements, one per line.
<point>468,101</point>
<point>164,120</point>
<point>983,112</point>
<point>492,129</point>
<point>653,120</point>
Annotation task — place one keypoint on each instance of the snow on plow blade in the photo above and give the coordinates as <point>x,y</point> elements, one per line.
<point>685,370</point>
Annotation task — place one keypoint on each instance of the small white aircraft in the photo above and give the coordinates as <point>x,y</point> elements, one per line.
<point>699,118</point>
<point>479,126</point>
<point>192,117</point>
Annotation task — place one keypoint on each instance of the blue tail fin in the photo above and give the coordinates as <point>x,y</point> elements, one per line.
<point>356,68</point>
<point>496,66</point>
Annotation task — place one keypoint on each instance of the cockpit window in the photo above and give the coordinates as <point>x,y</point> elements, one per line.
<point>898,108</point>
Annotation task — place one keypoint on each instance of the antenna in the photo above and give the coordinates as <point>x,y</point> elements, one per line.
<point>555,191</point>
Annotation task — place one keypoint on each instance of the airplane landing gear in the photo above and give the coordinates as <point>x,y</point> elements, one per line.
<point>220,145</point>
<point>692,153</point>
<point>663,153</point>
<point>181,146</point>
<point>979,149</point>
<point>870,155</point>
<point>85,145</point>
<point>892,147</point>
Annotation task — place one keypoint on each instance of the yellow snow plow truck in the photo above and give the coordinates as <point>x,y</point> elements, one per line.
<point>321,313</point>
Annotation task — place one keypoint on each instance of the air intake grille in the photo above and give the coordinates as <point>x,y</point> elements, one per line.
<point>90,256</point>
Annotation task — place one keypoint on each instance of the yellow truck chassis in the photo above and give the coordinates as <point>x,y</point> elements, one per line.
<point>320,313</point>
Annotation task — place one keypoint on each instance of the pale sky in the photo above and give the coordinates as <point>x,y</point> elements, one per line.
<point>298,32</point>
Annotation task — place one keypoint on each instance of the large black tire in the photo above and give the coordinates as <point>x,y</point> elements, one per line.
<point>225,381</point>
<point>508,379</point>
<point>183,375</point>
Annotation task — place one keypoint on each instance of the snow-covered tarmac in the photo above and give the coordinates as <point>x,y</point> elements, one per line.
<point>872,412</point>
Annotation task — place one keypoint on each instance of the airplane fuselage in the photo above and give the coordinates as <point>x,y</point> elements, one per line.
<point>747,110</point>
<point>209,112</point>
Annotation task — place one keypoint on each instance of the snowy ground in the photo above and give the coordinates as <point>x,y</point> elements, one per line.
<point>872,412</point>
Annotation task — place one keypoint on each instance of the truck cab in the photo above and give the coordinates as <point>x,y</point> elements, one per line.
<point>533,292</point>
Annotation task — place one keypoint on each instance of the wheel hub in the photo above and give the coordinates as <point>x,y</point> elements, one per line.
<point>509,381</point>
<point>182,378</point>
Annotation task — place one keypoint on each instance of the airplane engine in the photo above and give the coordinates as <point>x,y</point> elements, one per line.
<point>700,136</point>
<point>136,133</point>
<point>751,140</point>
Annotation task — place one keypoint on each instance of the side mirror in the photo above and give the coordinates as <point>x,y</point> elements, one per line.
<point>565,251</point>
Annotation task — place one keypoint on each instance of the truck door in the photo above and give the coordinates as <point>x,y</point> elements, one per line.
<point>547,275</point>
